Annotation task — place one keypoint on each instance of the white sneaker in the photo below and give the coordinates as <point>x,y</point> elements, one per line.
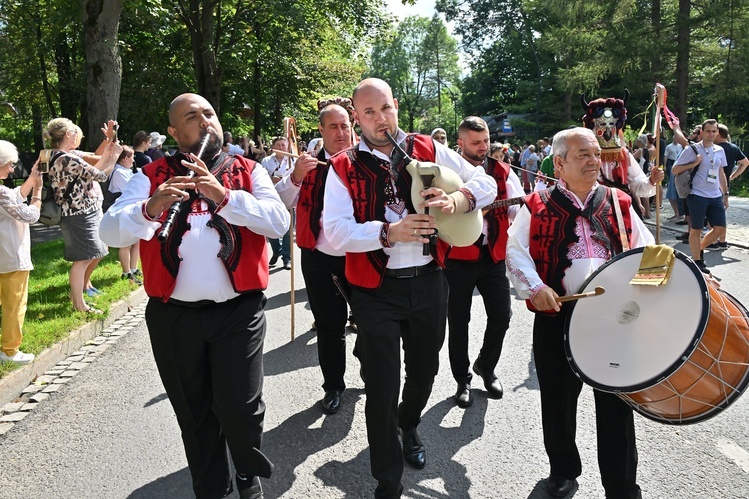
<point>18,358</point>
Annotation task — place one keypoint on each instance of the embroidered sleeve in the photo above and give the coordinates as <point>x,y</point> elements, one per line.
<point>521,269</point>
<point>11,202</point>
<point>471,198</point>
<point>223,202</point>
<point>146,215</point>
<point>384,232</point>
<point>535,289</point>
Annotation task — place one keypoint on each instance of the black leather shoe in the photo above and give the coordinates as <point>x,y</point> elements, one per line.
<point>274,260</point>
<point>463,396</point>
<point>331,402</point>
<point>249,488</point>
<point>491,383</point>
<point>559,486</point>
<point>413,449</point>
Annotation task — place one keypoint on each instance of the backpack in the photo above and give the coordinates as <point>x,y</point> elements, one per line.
<point>51,212</point>
<point>683,180</point>
<point>109,196</point>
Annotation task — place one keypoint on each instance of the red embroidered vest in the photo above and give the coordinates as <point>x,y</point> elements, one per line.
<point>497,220</point>
<point>552,229</point>
<point>366,180</point>
<point>243,252</point>
<point>310,205</point>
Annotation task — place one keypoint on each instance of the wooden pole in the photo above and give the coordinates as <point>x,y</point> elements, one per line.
<point>289,125</point>
<point>659,96</point>
<point>295,156</point>
<point>292,247</point>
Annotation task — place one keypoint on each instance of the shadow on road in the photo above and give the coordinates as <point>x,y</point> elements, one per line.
<point>299,354</point>
<point>531,382</point>
<point>284,299</point>
<point>178,484</point>
<point>156,400</point>
<point>540,491</point>
<point>442,445</point>
<point>292,442</point>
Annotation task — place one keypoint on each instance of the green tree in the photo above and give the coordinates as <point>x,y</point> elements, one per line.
<point>101,20</point>
<point>698,50</point>
<point>42,65</point>
<point>419,60</point>
<point>274,49</point>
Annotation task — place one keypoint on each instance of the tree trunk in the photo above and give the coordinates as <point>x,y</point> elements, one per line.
<point>655,20</point>
<point>37,124</point>
<point>567,107</point>
<point>69,98</point>
<point>682,61</point>
<point>727,86</point>
<point>44,73</point>
<point>199,22</point>
<point>257,97</point>
<point>101,19</point>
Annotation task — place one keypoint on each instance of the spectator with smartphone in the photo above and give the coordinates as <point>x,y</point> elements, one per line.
<point>15,252</point>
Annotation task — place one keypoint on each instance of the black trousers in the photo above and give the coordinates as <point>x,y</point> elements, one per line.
<point>330,311</point>
<point>211,363</point>
<point>412,311</point>
<point>490,280</point>
<point>560,389</point>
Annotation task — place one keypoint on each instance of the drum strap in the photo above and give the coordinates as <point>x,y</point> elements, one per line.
<point>619,219</point>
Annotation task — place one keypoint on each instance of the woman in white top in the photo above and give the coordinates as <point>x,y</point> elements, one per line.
<point>121,175</point>
<point>15,252</point>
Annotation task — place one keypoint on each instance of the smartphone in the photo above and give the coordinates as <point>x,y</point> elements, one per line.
<point>44,156</point>
<point>116,128</point>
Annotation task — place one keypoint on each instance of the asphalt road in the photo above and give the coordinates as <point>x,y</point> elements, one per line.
<point>110,431</point>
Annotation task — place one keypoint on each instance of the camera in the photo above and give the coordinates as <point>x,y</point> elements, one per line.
<point>44,157</point>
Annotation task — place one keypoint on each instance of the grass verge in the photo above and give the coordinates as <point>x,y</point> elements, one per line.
<point>50,316</point>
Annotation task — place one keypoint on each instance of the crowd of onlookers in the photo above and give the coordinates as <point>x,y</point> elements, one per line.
<point>86,184</point>
<point>529,159</point>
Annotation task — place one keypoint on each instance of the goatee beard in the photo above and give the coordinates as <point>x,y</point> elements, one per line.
<point>473,157</point>
<point>211,149</point>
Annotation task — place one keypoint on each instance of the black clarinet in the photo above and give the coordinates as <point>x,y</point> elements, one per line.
<point>174,210</point>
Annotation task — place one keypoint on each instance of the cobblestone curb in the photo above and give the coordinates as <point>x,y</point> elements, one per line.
<point>48,383</point>
<point>12,384</point>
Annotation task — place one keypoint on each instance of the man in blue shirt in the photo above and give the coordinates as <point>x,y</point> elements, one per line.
<point>709,196</point>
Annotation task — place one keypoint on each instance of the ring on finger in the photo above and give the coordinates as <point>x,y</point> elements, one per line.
<point>416,233</point>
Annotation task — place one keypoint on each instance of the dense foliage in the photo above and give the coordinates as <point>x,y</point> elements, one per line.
<point>535,57</point>
<point>261,60</point>
<point>256,60</point>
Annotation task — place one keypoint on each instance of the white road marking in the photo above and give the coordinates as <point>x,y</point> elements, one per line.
<point>731,449</point>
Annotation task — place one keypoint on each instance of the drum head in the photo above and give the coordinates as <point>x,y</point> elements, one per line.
<point>633,336</point>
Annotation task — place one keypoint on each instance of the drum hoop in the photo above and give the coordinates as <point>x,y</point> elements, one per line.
<point>682,359</point>
<point>714,411</point>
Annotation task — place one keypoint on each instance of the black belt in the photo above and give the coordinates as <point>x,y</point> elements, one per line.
<point>193,304</point>
<point>408,272</point>
<point>211,303</point>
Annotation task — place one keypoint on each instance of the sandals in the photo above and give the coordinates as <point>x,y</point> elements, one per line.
<point>90,309</point>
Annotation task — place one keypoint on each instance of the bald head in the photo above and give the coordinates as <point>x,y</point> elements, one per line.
<point>331,111</point>
<point>181,101</point>
<point>372,85</point>
<point>335,128</point>
<point>191,117</point>
<point>376,111</point>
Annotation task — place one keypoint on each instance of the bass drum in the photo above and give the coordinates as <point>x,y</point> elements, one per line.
<point>677,353</point>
